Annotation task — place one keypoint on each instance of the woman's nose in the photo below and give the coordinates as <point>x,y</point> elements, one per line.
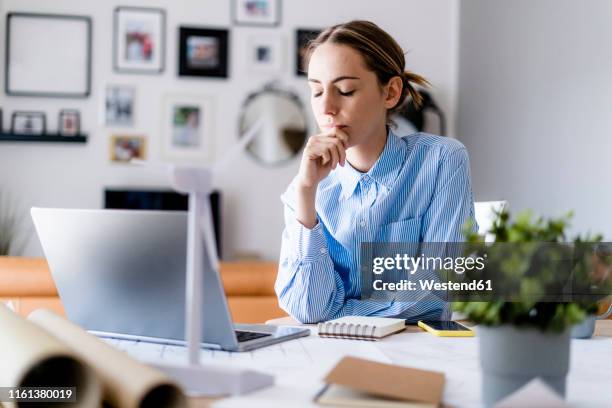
<point>329,105</point>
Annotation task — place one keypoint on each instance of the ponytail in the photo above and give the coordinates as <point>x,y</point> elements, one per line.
<point>409,80</point>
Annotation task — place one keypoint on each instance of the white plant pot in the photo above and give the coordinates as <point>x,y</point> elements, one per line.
<point>511,357</point>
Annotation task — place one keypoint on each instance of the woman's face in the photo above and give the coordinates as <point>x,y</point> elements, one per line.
<point>345,94</point>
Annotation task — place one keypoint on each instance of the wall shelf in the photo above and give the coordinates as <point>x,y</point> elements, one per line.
<point>45,138</point>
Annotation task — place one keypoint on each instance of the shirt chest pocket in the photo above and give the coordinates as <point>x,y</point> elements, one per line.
<point>402,231</point>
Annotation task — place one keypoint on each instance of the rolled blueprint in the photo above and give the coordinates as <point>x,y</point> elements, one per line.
<point>31,357</point>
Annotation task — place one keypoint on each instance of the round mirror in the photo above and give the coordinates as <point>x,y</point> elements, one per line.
<point>283,131</point>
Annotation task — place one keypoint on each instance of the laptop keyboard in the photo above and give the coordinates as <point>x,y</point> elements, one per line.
<point>246,336</point>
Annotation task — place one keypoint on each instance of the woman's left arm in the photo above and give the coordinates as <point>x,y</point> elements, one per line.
<point>452,204</point>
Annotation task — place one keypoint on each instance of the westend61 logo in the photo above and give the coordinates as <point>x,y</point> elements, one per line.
<point>411,264</point>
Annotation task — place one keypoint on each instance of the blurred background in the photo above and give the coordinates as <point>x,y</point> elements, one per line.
<point>525,85</point>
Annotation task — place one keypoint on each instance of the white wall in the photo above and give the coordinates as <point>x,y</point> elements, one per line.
<point>74,176</point>
<point>535,100</point>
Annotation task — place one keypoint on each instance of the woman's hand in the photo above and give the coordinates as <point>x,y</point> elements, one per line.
<point>323,152</point>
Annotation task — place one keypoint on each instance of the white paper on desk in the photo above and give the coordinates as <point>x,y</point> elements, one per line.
<point>536,392</point>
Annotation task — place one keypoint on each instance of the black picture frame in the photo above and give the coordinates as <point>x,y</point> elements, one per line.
<point>302,37</point>
<point>13,86</point>
<point>216,65</point>
<point>28,115</point>
<point>61,130</point>
<point>239,19</point>
<point>120,64</point>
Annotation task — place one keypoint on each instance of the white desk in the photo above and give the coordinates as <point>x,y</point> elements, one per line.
<point>299,366</point>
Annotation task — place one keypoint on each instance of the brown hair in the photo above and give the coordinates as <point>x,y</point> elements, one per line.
<point>381,53</point>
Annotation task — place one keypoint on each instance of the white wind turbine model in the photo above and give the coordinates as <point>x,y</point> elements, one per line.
<point>193,377</point>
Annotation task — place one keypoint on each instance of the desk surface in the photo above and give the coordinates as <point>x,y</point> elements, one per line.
<point>299,365</point>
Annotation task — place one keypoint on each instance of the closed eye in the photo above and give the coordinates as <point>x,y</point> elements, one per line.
<point>349,93</point>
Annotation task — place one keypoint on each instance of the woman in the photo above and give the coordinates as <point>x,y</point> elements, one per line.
<point>359,182</point>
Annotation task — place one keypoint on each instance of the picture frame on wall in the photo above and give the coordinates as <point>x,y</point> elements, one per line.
<point>302,37</point>
<point>124,148</point>
<point>119,105</point>
<point>263,13</point>
<point>69,122</point>
<point>203,52</point>
<point>28,123</point>
<point>139,40</point>
<point>187,128</point>
<point>34,64</point>
<point>266,54</point>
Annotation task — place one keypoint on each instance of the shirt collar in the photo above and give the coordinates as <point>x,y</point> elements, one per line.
<point>384,172</point>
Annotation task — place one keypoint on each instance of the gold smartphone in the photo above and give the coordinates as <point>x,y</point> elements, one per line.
<point>447,328</point>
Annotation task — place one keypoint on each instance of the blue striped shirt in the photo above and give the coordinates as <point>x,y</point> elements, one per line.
<point>417,191</point>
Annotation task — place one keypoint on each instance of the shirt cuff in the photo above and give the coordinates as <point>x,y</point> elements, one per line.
<point>309,245</point>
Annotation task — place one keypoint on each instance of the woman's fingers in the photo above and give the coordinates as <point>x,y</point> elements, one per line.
<point>329,147</point>
<point>337,150</point>
<point>333,152</point>
<point>340,134</point>
<point>341,150</point>
<point>324,154</point>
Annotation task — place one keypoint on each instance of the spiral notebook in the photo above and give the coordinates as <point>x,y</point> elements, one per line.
<point>361,327</point>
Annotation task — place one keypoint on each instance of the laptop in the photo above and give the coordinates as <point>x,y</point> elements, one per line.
<point>121,274</point>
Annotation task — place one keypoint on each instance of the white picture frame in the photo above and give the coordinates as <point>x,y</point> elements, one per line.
<point>257,12</point>
<point>187,128</point>
<point>139,40</point>
<point>266,54</point>
<point>48,55</point>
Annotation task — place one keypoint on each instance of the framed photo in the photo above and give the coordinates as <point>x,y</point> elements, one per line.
<point>302,37</point>
<point>203,52</point>
<point>256,12</point>
<point>119,105</point>
<point>187,128</point>
<point>48,55</point>
<point>139,45</point>
<point>28,123</point>
<point>266,54</point>
<point>124,148</point>
<point>69,122</point>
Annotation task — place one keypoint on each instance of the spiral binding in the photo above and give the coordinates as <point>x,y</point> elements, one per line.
<point>347,331</point>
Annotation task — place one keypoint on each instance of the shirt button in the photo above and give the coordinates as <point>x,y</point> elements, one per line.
<point>320,232</point>
<point>362,223</point>
<point>323,250</point>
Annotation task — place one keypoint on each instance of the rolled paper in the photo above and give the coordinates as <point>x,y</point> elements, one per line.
<point>126,383</point>
<point>31,357</point>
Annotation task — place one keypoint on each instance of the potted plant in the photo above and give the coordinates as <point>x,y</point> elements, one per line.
<point>525,333</point>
